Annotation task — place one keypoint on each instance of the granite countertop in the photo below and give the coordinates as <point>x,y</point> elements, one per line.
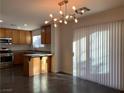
<point>37,55</point>
<point>32,52</point>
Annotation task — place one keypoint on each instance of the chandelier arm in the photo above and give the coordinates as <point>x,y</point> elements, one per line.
<point>65,9</point>
<point>64,18</point>
<point>63,2</point>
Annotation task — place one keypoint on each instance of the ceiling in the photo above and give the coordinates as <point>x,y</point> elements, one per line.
<point>16,13</point>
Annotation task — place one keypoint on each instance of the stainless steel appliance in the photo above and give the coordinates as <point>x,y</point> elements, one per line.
<point>6,55</point>
<point>6,58</point>
<point>5,40</point>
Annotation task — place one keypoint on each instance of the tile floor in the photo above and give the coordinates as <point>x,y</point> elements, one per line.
<point>12,80</point>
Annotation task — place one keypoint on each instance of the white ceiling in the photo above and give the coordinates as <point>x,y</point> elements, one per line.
<point>34,12</point>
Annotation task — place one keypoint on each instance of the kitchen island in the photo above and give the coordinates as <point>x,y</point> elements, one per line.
<point>36,63</point>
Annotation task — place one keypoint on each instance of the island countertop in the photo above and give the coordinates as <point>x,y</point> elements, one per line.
<point>38,55</point>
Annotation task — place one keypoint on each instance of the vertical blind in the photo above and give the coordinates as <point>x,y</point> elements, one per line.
<point>99,54</point>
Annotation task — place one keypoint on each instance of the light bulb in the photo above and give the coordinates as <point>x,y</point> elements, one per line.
<point>65,22</point>
<point>51,15</point>
<point>60,12</point>
<point>76,20</point>
<point>74,8</point>
<point>67,16</point>
<point>46,22</point>
<point>55,25</point>
<point>55,19</point>
<point>82,11</point>
<point>71,16</point>
<point>60,21</point>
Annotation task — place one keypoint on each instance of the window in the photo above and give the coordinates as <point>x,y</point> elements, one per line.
<point>37,41</point>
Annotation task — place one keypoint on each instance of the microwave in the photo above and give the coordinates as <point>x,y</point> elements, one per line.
<point>5,40</point>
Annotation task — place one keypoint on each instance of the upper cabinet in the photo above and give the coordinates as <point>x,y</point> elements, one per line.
<point>28,37</point>
<point>18,36</point>
<point>8,33</point>
<point>46,34</point>
<point>5,33</point>
<point>2,33</point>
<point>22,37</point>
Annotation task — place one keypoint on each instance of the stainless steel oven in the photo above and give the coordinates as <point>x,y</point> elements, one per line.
<point>6,58</point>
<point>6,55</point>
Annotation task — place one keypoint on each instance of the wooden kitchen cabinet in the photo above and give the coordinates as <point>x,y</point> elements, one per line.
<point>2,33</point>
<point>43,37</point>
<point>46,64</point>
<point>5,33</point>
<point>31,66</point>
<point>25,37</point>
<point>16,37</point>
<point>22,37</point>
<point>28,37</point>
<point>18,58</point>
<point>46,34</point>
<point>49,65</point>
<point>37,65</point>
<point>8,33</point>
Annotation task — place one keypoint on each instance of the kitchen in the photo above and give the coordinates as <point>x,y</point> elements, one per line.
<point>56,46</point>
<point>17,43</point>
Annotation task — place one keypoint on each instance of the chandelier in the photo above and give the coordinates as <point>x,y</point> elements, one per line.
<point>64,15</point>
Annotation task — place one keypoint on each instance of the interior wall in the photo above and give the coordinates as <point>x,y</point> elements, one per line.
<point>56,49</point>
<point>66,33</point>
<point>66,48</point>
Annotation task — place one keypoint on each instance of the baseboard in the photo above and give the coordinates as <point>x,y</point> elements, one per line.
<point>64,73</point>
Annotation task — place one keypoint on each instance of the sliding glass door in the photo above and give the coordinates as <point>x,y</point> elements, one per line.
<point>98,54</point>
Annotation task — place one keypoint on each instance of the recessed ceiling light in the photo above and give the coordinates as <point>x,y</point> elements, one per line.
<point>25,25</point>
<point>1,21</point>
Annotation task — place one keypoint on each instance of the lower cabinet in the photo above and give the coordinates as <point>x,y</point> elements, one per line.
<point>36,65</point>
<point>18,58</point>
<point>49,65</point>
<point>31,66</point>
<point>45,64</point>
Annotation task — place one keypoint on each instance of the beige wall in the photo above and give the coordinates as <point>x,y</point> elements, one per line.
<point>66,32</point>
<point>56,49</point>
